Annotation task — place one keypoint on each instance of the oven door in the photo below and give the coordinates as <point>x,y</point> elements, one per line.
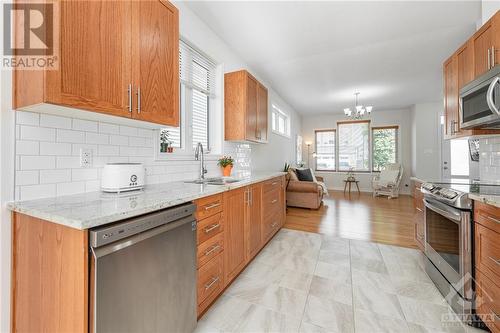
<point>479,103</point>
<point>448,244</point>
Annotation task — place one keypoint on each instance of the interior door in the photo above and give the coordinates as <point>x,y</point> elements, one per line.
<point>251,109</point>
<point>95,71</point>
<point>235,244</point>
<point>156,62</point>
<point>262,107</point>
<point>254,220</point>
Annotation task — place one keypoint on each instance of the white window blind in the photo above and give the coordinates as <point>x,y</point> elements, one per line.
<point>354,152</point>
<point>196,70</point>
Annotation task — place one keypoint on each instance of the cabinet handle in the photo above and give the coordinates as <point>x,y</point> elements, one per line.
<point>489,58</point>
<point>496,261</point>
<point>138,100</point>
<point>212,206</point>
<point>419,209</point>
<point>492,218</point>
<point>211,284</point>
<point>212,227</point>
<point>212,249</point>
<point>130,98</point>
<point>250,197</point>
<point>492,56</point>
<point>274,183</point>
<point>274,224</point>
<point>274,201</point>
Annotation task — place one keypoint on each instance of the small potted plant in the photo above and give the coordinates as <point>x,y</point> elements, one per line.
<point>165,142</point>
<point>350,175</point>
<point>226,163</point>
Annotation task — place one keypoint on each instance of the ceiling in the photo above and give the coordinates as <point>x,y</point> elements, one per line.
<point>315,54</point>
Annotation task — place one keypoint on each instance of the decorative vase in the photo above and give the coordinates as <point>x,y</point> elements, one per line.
<point>170,149</point>
<point>226,171</point>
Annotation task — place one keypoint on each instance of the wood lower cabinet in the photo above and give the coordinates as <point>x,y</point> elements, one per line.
<point>245,108</point>
<point>254,220</point>
<point>418,204</point>
<point>487,264</point>
<point>120,58</point>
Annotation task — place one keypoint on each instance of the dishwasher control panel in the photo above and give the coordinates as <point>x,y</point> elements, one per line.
<point>108,234</point>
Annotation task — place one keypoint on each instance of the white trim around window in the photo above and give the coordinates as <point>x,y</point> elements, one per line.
<point>280,122</point>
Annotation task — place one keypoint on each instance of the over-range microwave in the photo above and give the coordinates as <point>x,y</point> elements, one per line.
<point>479,101</point>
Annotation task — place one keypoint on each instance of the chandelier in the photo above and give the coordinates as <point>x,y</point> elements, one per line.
<point>359,110</point>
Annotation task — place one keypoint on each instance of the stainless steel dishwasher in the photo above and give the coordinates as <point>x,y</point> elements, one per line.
<point>143,273</point>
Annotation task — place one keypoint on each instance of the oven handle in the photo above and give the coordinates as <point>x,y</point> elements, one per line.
<point>446,211</point>
<point>489,95</point>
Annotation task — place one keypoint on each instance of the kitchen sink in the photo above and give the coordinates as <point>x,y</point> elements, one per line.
<point>214,181</point>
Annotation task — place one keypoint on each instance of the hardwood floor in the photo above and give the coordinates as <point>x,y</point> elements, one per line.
<point>359,216</point>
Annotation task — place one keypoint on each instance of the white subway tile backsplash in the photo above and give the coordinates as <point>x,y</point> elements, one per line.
<point>27,147</point>
<point>55,148</point>
<point>27,118</point>
<point>489,159</point>
<point>128,131</point>
<point>67,162</point>
<point>30,192</point>
<point>48,120</point>
<point>145,133</point>
<point>84,125</point>
<point>70,136</point>
<point>107,150</point>
<point>92,185</point>
<point>55,176</point>
<point>137,142</point>
<point>76,147</point>
<point>97,138</point>
<point>37,162</point>
<point>109,128</point>
<point>37,133</point>
<point>83,174</point>
<point>27,177</point>
<point>119,140</point>
<point>70,188</point>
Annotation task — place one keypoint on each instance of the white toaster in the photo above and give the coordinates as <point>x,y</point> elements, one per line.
<point>122,177</point>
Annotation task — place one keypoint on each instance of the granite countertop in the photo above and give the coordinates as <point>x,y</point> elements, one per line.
<point>493,200</point>
<point>89,210</point>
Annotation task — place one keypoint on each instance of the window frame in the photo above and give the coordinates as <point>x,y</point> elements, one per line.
<point>316,149</point>
<point>276,113</point>
<point>396,127</point>
<point>346,122</point>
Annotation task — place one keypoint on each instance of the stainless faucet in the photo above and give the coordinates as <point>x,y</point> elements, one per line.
<point>199,156</point>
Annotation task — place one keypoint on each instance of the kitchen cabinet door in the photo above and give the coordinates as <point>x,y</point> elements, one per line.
<point>251,109</point>
<point>94,68</point>
<point>254,221</point>
<point>235,243</point>
<point>450,74</point>
<point>262,107</point>
<point>465,74</point>
<point>155,52</point>
<point>482,42</point>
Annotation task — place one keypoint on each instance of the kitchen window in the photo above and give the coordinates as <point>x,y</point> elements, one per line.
<point>280,122</point>
<point>385,146</point>
<point>325,149</point>
<point>197,92</point>
<point>354,146</point>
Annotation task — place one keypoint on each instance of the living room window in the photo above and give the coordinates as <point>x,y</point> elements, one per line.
<point>354,146</point>
<point>197,90</point>
<point>325,149</point>
<point>280,122</point>
<point>385,146</point>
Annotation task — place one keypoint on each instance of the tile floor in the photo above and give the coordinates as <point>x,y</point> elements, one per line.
<point>306,282</point>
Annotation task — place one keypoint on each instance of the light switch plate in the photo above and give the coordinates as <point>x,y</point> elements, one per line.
<point>85,157</point>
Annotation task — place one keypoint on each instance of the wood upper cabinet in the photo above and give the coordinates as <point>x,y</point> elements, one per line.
<point>484,50</point>
<point>156,61</point>
<point>254,220</point>
<point>235,243</point>
<point>245,108</point>
<point>115,57</point>
<point>450,74</point>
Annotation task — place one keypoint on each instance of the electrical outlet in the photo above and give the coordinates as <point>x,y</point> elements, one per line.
<point>85,157</point>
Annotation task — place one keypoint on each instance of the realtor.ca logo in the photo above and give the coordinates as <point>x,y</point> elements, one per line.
<point>30,40</point>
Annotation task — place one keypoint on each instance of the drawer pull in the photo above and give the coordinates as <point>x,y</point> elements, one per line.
<point>212,249</point>
<point>211,228</point>
<point>212,283</point>
<point>274,201</point>
<point>217,204</point>
<point>274,184</point>
<point>495,316</point>
<point>496,261</point>
<point>274,224</point>
<point>493,219</point>
<point>419,209</point>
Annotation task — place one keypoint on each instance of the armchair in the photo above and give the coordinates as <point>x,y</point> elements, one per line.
<point>303,194</point>
<point>388,181</point>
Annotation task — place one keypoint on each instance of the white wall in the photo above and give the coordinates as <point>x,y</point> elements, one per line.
<point>425,140</point>
<point>488,8</point>
<point>334,180</point>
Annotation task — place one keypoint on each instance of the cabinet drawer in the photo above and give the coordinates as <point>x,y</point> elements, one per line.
<point>488,301</point>
<point>208,206</point>
<point>487,250</point>
<point>210,249</point>
<point>209,227</point>
<point>271,224</point>
<point>271,202</point>
<point>210,278</point>
<point>487,215</point>
<point>272,184</point>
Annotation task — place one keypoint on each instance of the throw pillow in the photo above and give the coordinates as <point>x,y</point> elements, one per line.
<point>304,175</point>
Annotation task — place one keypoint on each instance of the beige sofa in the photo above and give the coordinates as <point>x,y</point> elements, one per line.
<point>304,194</point>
